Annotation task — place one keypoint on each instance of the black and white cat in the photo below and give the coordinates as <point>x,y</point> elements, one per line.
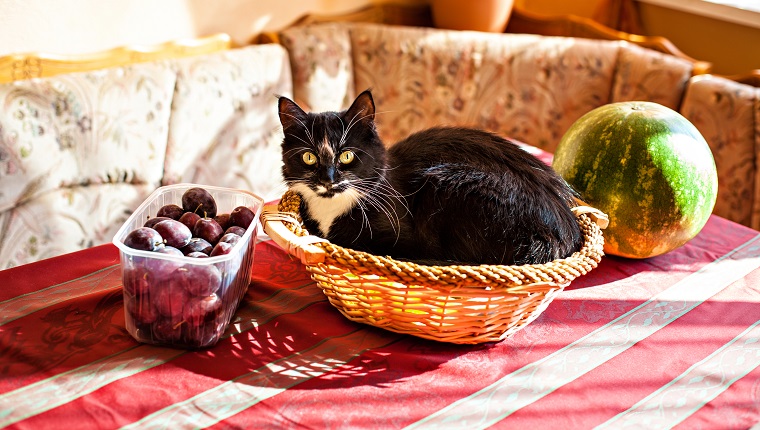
<point>441,196</point>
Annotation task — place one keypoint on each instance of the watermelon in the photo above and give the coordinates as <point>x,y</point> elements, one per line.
<point>648,168</point>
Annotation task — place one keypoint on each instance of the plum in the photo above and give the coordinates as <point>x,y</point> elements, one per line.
<point>235,229</point>
<point>222,248</point>
<point>200,309</point>
<point>151,222</point>
<point>167,330</point>
<point>230,238</point>
<point>197,280</point>
<point>189,219</point>
<point>141,310</point>
<point>170,211</point>
<point>144,238</point>
<point>200,201</point>
<point>241,216</point>
<point>135,279</point>
<point>197,244</point>
<point>208,229</point>
<point>168,249</point>
<point>223,220</point>
<point>170,299</point>
<point>175,233</point>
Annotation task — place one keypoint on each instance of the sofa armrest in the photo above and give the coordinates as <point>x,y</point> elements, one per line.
<point>727,113</point>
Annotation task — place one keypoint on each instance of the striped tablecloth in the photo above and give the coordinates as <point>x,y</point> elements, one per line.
<point>671,341</point>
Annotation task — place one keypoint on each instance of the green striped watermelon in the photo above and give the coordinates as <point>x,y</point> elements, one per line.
<point>648,168</point>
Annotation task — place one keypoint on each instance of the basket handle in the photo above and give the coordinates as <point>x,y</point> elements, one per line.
<point>301,247</point>
<point>600,218</point>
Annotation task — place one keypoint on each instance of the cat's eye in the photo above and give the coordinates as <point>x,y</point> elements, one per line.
<point>346,157</point>
<point>309,158</point>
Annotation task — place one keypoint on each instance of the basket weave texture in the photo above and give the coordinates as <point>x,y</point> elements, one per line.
<point>457,303</point>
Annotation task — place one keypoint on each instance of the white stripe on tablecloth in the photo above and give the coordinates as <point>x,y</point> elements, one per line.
<point>232,397</point>
<point>702,382</point>
<point>44,395</point>
<point>540,378</point>
<point>29,303</point>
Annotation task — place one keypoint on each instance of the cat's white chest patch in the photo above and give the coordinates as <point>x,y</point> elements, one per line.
<point>324,210</point>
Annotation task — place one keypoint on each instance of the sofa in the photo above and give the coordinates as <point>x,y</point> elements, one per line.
<point>80,151</point>
<point>528,87</point>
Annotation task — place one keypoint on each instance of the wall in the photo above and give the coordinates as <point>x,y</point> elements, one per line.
<point>732,48</point>
<point>82,26</point>
<point>584,8</point>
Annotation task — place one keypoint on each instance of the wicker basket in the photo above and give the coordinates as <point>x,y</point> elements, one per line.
<point>458,304</point>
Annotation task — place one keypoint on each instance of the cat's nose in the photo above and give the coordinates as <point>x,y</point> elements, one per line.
<point>327,176</point>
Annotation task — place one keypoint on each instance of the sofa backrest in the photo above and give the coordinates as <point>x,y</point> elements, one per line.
<point>224,128</point>
<point>528,87</point>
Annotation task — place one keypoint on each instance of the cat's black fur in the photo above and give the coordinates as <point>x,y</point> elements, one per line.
<point>443,195</point>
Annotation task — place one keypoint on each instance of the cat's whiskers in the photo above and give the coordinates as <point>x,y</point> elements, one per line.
<point>299,138</point>
<point>365,220</point>
<point>382,174</point>
<point>292,152</point>
<point>382,197</point>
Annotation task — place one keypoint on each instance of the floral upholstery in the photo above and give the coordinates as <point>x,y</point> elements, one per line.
<point>57,135</point>
<point>726,113</point>
<point>528,87</point>
<point>224,128</point>
<point>80,128</point>
<point>643,74</point>
<point>79,152</point>
<point>67,219</point>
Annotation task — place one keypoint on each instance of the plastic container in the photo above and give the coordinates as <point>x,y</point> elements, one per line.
<point>182,301</point>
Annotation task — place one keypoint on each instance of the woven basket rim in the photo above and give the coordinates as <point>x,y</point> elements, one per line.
<point>559,272</point>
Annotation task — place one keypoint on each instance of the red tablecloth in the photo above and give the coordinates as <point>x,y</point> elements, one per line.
<point>668,341</point>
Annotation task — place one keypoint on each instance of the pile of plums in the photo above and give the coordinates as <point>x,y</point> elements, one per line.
<point>193,229</point>
<point>177,300</point>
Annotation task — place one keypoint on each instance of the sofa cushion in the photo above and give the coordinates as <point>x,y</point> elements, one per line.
<point>77,153</point>
<point>529,87</point>
<point>65,220</point>
<point>726,113</point>
<point>224,129</point>
<point>644,74</point>
<point>96,127</point>
<point>323,70</point>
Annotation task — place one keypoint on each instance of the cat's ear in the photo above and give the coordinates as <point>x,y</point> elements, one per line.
<point>291,115</point>
<point>362,109</point>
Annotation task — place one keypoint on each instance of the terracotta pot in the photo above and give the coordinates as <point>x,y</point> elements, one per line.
<point>479,15</point>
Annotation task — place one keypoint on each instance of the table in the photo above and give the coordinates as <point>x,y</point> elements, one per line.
<point>667,341</point>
